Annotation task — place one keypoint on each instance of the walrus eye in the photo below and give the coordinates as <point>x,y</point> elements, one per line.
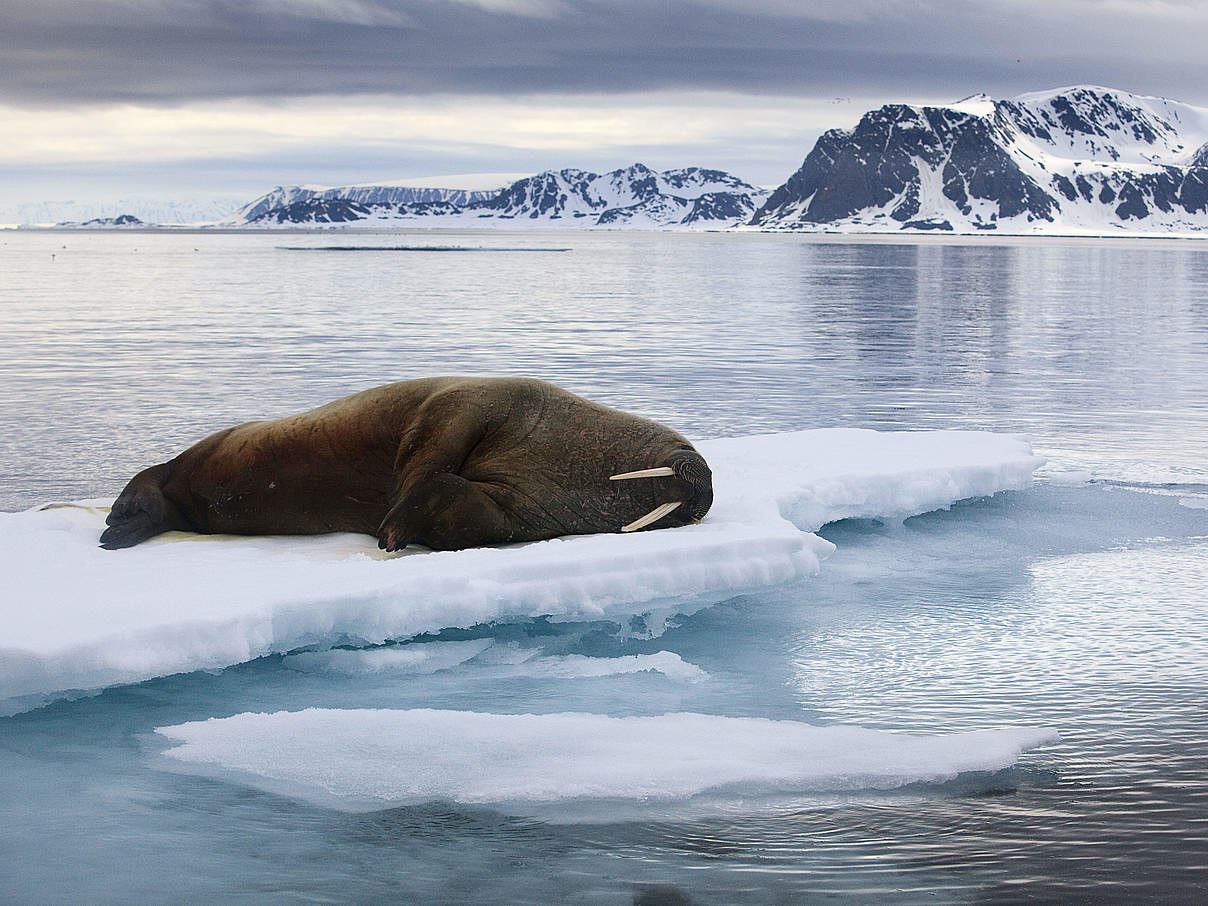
<point>653,516</point>
<point>644,473</point>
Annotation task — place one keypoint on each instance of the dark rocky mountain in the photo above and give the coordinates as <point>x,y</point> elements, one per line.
<point>713,207</point>
<point>316,210</point>
<point>428,208</point>
<point>119,220</point>
<point>122,220</point>
<point>1076,160</point>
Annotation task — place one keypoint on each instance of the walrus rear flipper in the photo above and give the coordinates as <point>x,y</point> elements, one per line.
<point>141,511</point>
<point>131,531</point>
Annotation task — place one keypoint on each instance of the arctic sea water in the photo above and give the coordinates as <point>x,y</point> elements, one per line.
<point>1077,604</point>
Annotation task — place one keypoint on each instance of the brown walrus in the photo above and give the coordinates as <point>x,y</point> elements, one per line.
<point>448,462</point>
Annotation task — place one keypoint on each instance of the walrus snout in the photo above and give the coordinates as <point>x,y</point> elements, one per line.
<point>691,467</point>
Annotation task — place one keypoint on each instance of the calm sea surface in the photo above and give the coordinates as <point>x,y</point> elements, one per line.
<point>1081,607</point>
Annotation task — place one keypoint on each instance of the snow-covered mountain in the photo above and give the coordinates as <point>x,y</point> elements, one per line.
<point>1073,160</point>
<point>635,197</point>
<point>316,199</point>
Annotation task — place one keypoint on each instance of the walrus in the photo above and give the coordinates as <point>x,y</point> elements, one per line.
<point>446,462</point>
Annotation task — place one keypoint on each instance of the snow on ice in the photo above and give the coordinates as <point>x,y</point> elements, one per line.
<point>371,759</point>
<point>76,617</point>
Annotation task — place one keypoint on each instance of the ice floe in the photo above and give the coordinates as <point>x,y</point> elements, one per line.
<point>370,759</point>
<point>78,617</point>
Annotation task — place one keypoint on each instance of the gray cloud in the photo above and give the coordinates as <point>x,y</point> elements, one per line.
<point>172,51</point>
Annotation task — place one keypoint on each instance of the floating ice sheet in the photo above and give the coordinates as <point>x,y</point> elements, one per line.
<point>78,617</point>
<point>370,759</point>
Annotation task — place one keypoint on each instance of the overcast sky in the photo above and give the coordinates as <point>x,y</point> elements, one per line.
<point>118,98</point>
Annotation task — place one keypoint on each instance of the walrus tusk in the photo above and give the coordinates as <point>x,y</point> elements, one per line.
<point>644,473</point>
<point>653,516</point>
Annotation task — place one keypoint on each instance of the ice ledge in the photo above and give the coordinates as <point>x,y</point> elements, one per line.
<point>77,617</point>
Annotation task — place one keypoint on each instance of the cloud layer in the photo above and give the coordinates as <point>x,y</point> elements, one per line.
<point>247,146</point>
<point>169,51</point>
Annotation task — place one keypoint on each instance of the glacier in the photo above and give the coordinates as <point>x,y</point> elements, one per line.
<point>368,759</point>
<point>78,618</point>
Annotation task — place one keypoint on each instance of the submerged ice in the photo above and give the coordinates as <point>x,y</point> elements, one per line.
<point>77,617</point>
<point>501,660</point>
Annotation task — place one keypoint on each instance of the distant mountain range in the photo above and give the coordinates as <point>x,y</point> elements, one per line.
<point>634,197</point>
<point>284,201</point>
<point>1081,160</point>
<point>150,210</point>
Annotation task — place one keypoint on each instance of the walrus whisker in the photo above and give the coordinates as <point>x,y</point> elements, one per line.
<point>73,506</point>
<point>658,472</point>
<point>653,516</point>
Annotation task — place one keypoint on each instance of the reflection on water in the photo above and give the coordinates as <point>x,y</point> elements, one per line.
<point>123,348</point>
<point>1083,608</point>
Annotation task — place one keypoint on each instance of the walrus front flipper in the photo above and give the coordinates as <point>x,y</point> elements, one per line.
<point>445,512</point>
<point>141,511</point>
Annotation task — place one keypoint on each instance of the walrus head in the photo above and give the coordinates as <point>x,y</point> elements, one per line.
<point>695,491</point>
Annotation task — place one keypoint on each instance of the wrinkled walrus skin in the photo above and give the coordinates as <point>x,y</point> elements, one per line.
<point>447,463</point>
